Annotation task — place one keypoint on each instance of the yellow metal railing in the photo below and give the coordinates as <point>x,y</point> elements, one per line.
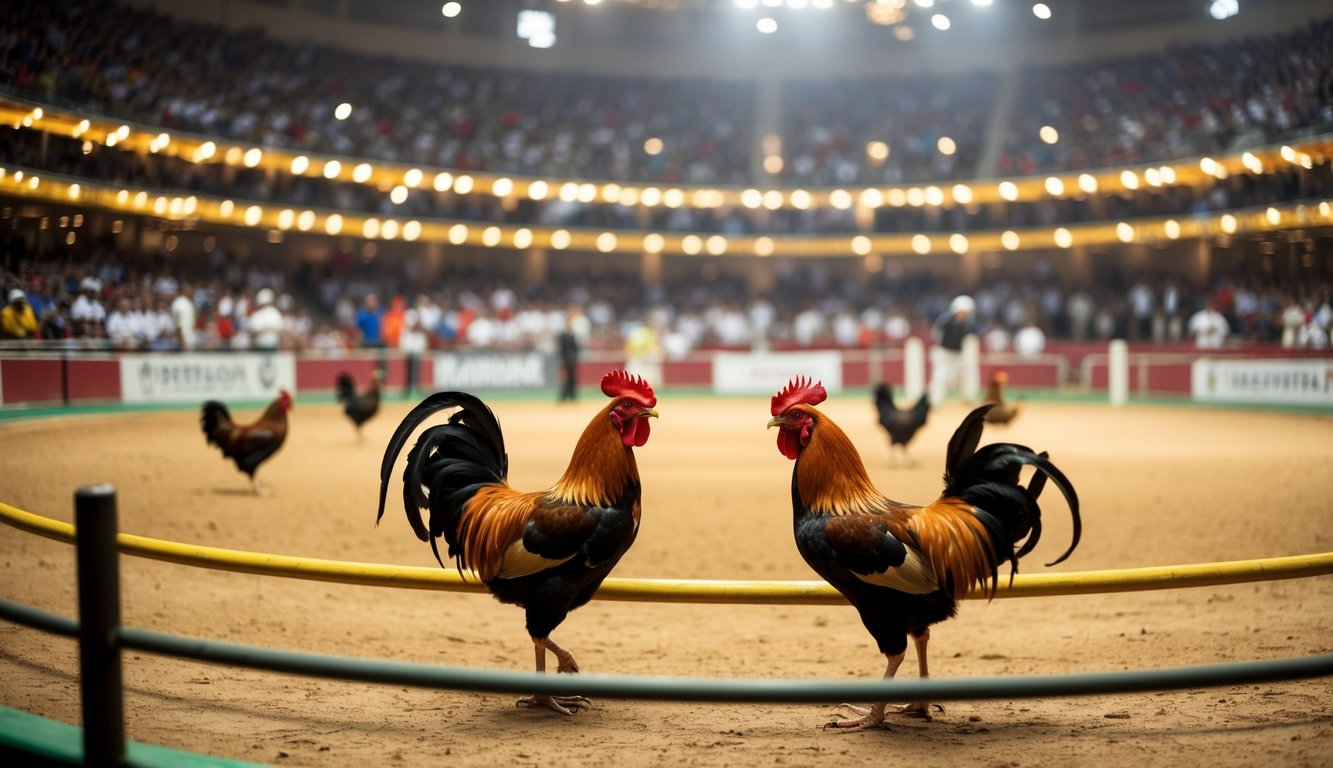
<point>679,590</point>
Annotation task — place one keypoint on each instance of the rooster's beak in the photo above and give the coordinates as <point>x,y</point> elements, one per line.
<point>776,421</point>
<point>650,412</point>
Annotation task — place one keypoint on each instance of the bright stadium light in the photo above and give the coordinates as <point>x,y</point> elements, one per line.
<point>1041,11</point>
<point>343,111</point>
<point>940,21</point>
<point>766,25</point>
<point>451,9</point>
<point>1223,9</point>
<point>537,27</point>
<point>982,3</point>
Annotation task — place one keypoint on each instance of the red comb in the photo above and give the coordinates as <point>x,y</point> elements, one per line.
<point>618,383</point>
<point>799,390</point>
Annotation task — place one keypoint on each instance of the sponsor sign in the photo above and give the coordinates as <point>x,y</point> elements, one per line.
<point>189,378</point>
<point>766,373</point>
<point>494,370</point>
<point>1288,382</point>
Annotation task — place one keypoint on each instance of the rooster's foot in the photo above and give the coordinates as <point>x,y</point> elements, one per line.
<point>565,705</point>
<point>871,717</point>
<point>921,709</point>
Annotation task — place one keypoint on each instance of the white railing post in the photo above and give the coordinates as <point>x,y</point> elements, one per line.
<point>914,369</point>
<point>1117,372</point>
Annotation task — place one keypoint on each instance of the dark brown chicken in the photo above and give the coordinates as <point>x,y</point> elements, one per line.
<point>547,551</point>
<point>249,445</point>
<point>1004,411</point>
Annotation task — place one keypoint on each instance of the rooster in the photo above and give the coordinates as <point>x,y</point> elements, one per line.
<point>359,406</point>
<point>249,445</point>
<point>905,566</point>
<point>1003,412</point>
<point>546,551</point>
<point>902,425</point>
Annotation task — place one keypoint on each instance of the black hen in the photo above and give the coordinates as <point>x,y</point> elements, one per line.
<point>902,425</point>
<point>359,406</point>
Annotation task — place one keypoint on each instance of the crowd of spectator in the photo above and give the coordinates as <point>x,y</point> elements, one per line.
<point>346,304</point>
<point>137,64</point>
<point>885,130</point>
<point>1188,100</point>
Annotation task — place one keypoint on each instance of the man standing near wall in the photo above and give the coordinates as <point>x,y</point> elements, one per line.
<point>265,324</point>
<point>183,317</point>
<point>946,356</point>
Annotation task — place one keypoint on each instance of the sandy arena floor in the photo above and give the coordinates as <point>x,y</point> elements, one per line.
<point>1159,486</point>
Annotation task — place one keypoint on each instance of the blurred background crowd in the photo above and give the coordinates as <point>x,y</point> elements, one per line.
<point>349,304</point>
<point>1188,100</point>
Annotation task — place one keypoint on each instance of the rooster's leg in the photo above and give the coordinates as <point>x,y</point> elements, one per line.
<point>874,715</point>
<point>259,489</point>
<point>920,708</point>
<point>565,658</point>
<point>565,705</point>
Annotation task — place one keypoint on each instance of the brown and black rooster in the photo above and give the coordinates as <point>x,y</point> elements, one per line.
<point>249,445</point>
<point>905,566</point>
<point>901,424</point>
<point>1004,410</point>
<point>359,406</point>
<point>547,551</point>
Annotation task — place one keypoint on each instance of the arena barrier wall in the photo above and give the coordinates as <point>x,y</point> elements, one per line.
<point>102,638</point>
<point>54,376</point>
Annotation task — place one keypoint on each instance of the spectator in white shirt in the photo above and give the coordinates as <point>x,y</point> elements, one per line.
<point>265,324</point>
<point>87,312</point>
<point>1030,340</point>
<point>183,318</point>
<point>1208,327</point>
<point>124,327</point>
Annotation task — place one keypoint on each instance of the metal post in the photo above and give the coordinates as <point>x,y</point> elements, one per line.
<point>99,622</point>
<point>64,374</point>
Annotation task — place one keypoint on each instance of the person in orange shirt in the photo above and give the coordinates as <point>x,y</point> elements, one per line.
<point>392,324</point>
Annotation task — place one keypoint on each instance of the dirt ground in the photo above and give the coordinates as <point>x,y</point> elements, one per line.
<point>1160,485</point>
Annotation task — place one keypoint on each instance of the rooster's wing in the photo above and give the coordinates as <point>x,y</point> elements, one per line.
<point>864,548</point>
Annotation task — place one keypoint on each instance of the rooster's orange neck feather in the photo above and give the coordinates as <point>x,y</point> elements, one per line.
<point>830,476</point>
<point>600,467</point>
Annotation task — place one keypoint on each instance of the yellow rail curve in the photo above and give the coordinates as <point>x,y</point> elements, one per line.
<point>679,590</point>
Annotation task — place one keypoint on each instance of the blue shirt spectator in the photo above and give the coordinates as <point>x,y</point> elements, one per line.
<point>369,322</point>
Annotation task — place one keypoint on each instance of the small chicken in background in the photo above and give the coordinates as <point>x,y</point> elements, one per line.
<point>1004,411</point>
<point>905,566</point>
<point>547,551</point>
<point>359,406</point>
<point>901,424</point>
<point>249,445</point>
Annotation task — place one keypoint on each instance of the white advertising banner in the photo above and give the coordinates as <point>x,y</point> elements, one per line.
<point>494,370</point>
<point>766,373</point>
<point>190,377</point>
<point>1287,382</point>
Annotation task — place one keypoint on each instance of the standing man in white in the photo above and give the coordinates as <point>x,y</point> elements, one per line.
<point>946,355</point>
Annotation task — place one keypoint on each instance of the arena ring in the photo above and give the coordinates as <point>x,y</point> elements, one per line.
<point>612,686</point>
